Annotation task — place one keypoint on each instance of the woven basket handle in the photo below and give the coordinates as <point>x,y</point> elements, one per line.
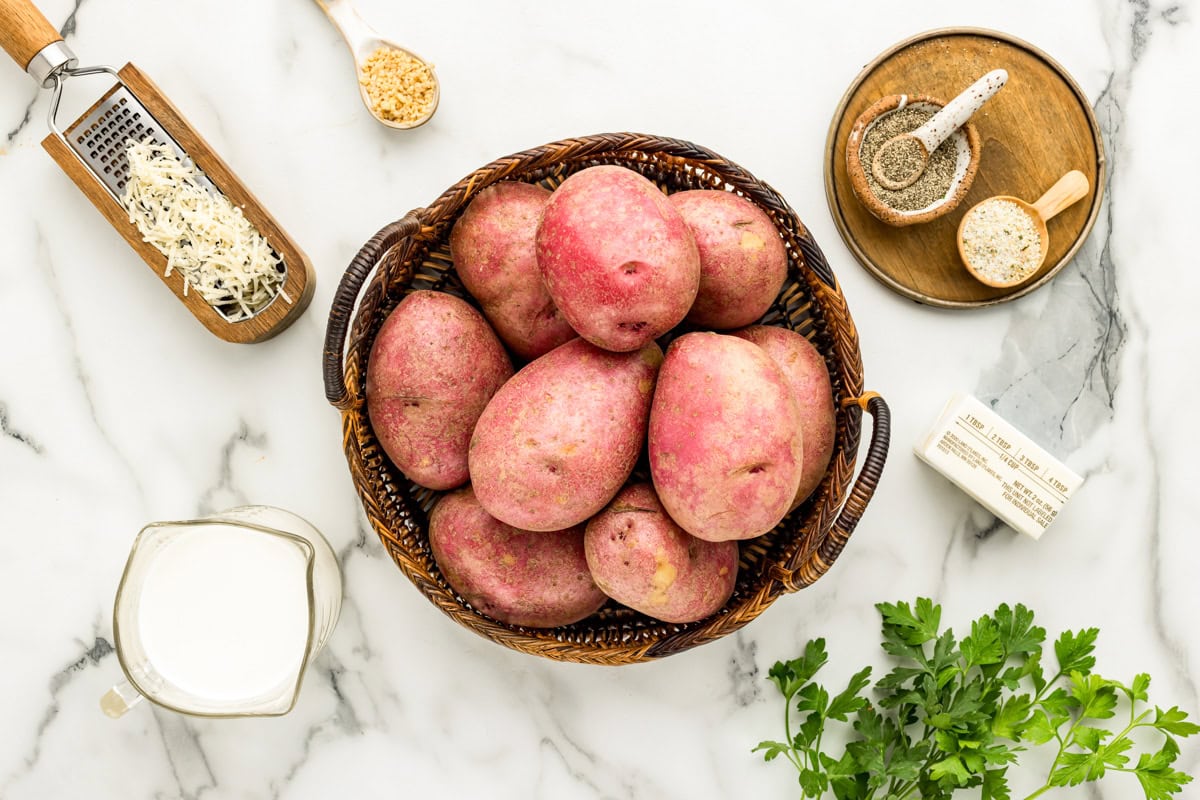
<point>806,568</point>
<point>346,296</point>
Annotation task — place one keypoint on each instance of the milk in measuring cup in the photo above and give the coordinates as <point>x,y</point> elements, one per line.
<point>219,616</point>
<point>224,615</point>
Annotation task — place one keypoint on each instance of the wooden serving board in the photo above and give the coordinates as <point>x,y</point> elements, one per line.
<point>1037,128</point>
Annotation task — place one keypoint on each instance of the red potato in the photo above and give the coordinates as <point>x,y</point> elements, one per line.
<point>742,259</point>
<point>433,368</point>
<point>559,439</point>
<point>808,378</point>
<point>639,556</point>
<point>617,258</point>
<point>725,442</point>
<point>492,245</point>
<point>539,580</point>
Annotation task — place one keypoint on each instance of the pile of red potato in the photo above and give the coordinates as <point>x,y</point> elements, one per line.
<point>739,426</point>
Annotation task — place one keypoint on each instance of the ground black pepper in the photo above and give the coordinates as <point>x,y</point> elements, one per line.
<point>900,161</point>
<point>933,184</point>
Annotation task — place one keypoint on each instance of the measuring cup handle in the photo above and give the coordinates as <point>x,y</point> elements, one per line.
<point>119,699</point>
<point>24,31</point>
<point>959,110</point>
<point>1067,190</point>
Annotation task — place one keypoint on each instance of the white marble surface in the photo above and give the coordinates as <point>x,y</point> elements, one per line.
<point>116,408</point>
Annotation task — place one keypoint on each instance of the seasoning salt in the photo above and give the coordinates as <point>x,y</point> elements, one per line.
<point>1001,241</point>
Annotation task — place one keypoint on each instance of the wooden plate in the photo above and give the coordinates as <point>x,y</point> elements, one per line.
<point>1037,128</point>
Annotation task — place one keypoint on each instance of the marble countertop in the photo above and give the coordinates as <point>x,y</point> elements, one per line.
<point>116,408</point>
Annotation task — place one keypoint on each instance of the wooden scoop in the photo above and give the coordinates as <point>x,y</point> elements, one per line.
<point>927,138</point>
<point>1066,191</point>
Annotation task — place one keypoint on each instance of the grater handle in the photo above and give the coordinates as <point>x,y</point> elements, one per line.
<point>24,31</point>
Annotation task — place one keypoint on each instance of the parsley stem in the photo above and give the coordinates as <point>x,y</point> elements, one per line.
<point>1063,741</point>
<point>787,729</point>
<point>1049,685</point>
<point>1133,723</point>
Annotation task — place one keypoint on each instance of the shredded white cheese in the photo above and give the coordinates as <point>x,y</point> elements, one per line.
<point>203,235</point>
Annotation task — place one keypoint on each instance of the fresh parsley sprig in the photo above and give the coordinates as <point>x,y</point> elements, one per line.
<point>956,715</point>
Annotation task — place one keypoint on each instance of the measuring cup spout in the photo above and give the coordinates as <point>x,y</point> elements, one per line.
<point>119,699</point>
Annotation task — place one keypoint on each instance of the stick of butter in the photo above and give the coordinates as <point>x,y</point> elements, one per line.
<point>989,459</point>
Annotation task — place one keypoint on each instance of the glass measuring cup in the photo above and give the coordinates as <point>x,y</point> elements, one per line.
<point>219,616</point>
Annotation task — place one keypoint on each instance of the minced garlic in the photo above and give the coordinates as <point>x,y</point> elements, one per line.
<point>400,88</point>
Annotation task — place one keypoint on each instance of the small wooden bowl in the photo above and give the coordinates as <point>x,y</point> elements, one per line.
<point>966,139</point>
<point>1043,240</point>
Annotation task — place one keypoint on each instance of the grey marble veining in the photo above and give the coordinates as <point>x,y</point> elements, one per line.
<point>16,434</point>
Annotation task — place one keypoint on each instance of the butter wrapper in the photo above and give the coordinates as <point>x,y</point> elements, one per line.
<point>997,465</point>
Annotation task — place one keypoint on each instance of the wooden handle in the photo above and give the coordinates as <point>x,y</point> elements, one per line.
<point>345,298</point>
<point>24,31</point>
<point>1067,190</point>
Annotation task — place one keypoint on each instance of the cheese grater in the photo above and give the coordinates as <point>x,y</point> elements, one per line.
<point>91,151</point>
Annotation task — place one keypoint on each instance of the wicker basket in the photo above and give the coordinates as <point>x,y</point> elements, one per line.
<point>412,253</point>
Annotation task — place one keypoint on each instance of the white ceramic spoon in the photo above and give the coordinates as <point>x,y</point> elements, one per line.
<point>363,40</point>
<point>927,138</point>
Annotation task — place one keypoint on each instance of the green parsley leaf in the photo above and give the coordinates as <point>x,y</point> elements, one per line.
<point>1012,717</point>
<point>1112,754</point>
<point>905,763</point>
<point>789,676</point>
<point>899,677</point>
<point>1041,728</point>
<point>845,779</point>
<point>1140,688</point>
<point>1075,768</point>
<point>869,752</point>
<point>1159,781</point>
<point>1074,651</point>
<point>913,627</point>
<point>950,771</point>
<point>995,785</point>
<point>1032,668</point>
<point>812,697</point>
<point>809,730</point>
<point>1096,697</point>
<point>1089,738</point>
<point>945,654</point>
<point>1174,722</point>
<point>895,643</point>
<point>850,700</point>
<point>1018,634</point>
<point>771,750</point>
<point>983,646</point>
<point>998,755</point>
<point>813,783</point>
<point>1057,705</point>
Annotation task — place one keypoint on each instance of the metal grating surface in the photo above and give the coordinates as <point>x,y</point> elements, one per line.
<point>99,138</point>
